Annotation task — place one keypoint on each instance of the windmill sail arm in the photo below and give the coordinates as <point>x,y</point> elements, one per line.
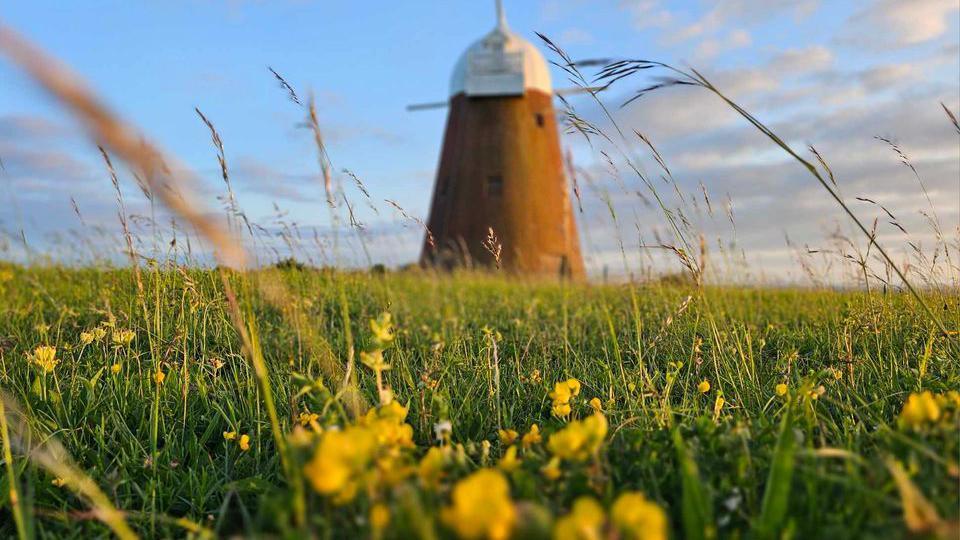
<point>427,106</point>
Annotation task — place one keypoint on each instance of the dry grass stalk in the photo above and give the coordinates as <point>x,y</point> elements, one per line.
<point>103,126</point>
<point>50,455</point>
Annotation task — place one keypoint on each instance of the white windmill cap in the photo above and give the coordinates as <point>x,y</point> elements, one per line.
<point>500,64</point>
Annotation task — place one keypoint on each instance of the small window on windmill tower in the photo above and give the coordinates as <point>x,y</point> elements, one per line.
<point>540,120</point>
<point>494,186</point>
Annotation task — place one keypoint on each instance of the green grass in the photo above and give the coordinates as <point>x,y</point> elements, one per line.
<point>158,452</point>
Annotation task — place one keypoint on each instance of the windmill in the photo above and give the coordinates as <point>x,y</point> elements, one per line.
<point>500,196</point>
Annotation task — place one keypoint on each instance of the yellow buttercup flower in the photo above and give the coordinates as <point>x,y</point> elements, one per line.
<point>509,462</point>
<point>159,376</point>
<point>579,440</point>
<point>115,368</point>
<point>703,387</point>
<point>781,389</point>
<point>531,437</point>
<point>552,469</point>
<point>562,393</point>
<point>86,338</point>
<point>584,522</point>
<point>98,333</point>
<point>340,462</point>
<point>387,423</point>
<point>481,507</point>
<point>919,410</point>
<point>229,435</point>
<point>561,410</point>
<point>244,442</point>
<point>638,518</point>
<point>379,516</point>
<point>596,405</point>
<point>431,467</point>
<point>45,357</point>
<point>507,436</point>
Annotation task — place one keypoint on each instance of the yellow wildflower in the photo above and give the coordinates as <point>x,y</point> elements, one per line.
<point>509,462</point>
<point>382,329</point>
<point>552,469</point>
<point>584,522</point>
<point>781,389</point>
<point>45,357</point>
<point>920,409</point>
<point>507,436</point>
<point>531,437</point>
<point>244,442</point>
<point>98,333</point>
<point>229,435</point>
<point>340,461</point>
<point>374,360</point>
<point>310,419</point>
<point>86,338</point>
<point>379,516</point>
<point>561,410</point>
<point>122,337</point>
<point>562,393</point>
<point>159,376</point>
<point>115,368</point>
<point>638,518</point>
<point>579,440</point>
<point>703,387</point>
<point>387,422</point>
<point>718,406</point>
<point>596,405</point>
<point>58,482</point>
<point>431,468</point>
<point>481,507</point>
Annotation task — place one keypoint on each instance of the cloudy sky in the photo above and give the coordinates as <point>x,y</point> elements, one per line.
<point>835,75</point>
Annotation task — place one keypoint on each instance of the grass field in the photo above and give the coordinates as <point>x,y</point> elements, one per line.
<point>166,398</point>
<point>840,450</point>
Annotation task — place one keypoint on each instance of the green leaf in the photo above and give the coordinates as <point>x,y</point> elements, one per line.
<point>695,504</point>
<point>776,496</point>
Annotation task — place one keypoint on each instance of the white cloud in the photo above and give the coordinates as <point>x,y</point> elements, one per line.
<point>899,23</point>
<point>575,36</point>
<point>802,61</point>
<point>647,13</point>
<point>711,48</point>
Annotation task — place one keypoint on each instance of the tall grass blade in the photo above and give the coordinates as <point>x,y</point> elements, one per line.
<point>776,495</point>
<point>696,506</point>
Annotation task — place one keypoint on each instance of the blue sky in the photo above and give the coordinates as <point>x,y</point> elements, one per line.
<point>834,74</point>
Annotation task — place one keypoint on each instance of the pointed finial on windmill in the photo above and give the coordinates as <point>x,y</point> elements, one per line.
<point>501,17</point>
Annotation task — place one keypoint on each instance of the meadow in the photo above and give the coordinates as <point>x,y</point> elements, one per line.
<point>175,396</point>
<point>724,412</point>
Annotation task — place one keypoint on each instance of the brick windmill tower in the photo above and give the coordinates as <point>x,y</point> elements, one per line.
<point>501,167</point>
